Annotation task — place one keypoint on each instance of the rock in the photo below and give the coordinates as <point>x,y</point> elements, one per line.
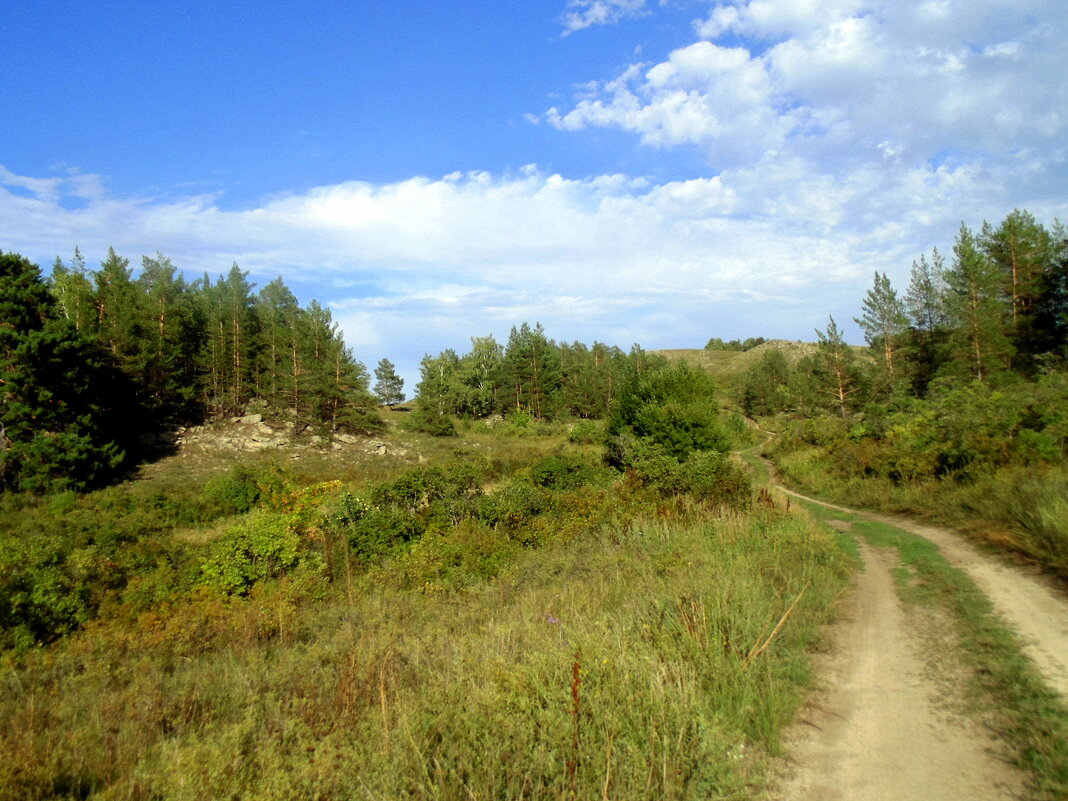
<point>348,439</point>
<point>250,419</point>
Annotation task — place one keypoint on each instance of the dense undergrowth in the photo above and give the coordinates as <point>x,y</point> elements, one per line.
<point>511,618</point>
<point>987,460</point>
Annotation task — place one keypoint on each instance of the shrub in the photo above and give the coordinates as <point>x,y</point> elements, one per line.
<point>586,432</point>
<point>674,408</point>
<point>561,471</point>
<point>263,545</point>
<point>428,421</point>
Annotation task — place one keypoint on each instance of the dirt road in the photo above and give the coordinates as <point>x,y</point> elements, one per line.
<point>886,724</point>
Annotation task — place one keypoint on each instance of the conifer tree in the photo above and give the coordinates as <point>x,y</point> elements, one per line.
<point>975,309</point>
<point>173,336</point>
<point>60,423</point>
<point>531,374</point>
<point>836,368</point>
<point>389,387</point>
<point>925,302</point>
<point>278,312</point>
<point>884,323</point>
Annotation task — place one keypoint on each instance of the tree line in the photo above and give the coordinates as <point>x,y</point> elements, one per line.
<point>529,375</point>
<point>90,359</point>
<point>996,314</point>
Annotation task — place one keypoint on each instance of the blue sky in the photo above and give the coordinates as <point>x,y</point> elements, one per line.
<point>620,170</point>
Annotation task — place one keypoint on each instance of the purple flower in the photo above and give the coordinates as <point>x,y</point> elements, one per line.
<point>553,619</point>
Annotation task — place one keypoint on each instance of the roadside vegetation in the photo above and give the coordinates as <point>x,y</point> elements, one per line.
<point>559,585</point>
<point>536,607</point>
<point>957,411</point>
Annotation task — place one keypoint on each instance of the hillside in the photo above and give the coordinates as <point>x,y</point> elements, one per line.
<point>729,367</point>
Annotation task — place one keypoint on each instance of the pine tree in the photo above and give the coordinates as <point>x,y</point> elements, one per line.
<point>61,425</point>
<point>531,374</point>
<point>280,367</point>
<point>884,324</point>
<point>173,338</point>
<point>1020,250</point>
<point>925,301</point>
<point>389,387</point>
<point>976,310</point>
<point>836,369</point>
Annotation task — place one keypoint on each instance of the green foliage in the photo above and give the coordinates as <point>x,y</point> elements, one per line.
<point>586,432</point>
<point>561,471</point>
<point>766,389</point>
<point>389,387</point>
<point>428,420</point>
<point>66,415</point>
<point>715,343</point>
<point>262,545</point>
<point>674,408</point>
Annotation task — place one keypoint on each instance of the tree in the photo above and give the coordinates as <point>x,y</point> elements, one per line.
<point>925,303</point>
<point>531,373</point>
<point>62,425</point>
<point>389,387</point>
<point>976,311</point>
<point>478,375</point>
<point>672,408</point>
<point>1050,321</point>
<point>766,388</point>
<point>74,291</point>
<point>1019,249</point>
<point>884,323</point>
<point>173,336</point>
<point>835,367</point>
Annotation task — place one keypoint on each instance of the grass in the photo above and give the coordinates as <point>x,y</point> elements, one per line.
<point>1017,509</point>
<point>620,655</point>
<point>1005,684</point>
<point>647,648</point>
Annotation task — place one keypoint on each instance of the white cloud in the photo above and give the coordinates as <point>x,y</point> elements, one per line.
<point>582,14</point>
<point>415,266</point>
<point>846,137</point>
<point>704,94</point>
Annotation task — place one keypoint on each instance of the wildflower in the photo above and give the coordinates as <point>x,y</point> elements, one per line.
<point>552,619</point>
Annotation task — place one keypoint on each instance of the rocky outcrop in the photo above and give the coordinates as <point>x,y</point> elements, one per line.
<point>251,432</point>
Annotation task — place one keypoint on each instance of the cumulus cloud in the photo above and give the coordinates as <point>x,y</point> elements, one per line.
<point>419,265</point>
<point>843,137</point>
<point>582,14</point>
<point>842,81</point>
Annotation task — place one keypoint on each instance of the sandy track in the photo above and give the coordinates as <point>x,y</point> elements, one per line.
<point>881,728</point>
<point>1034,607</point>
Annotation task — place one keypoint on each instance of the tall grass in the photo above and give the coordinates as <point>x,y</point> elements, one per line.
<point>1023,509</point>
<point>623,664</point>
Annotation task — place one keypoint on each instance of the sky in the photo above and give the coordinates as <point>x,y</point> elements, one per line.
<point>625,171</point>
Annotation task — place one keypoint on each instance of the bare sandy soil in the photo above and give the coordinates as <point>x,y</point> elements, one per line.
<point>887,722</point>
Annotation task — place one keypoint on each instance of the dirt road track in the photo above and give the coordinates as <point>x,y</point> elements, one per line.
<point>882,728</point>
<point>1030,604</point>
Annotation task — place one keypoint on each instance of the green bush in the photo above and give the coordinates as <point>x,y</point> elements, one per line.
<point>514,506</point>
<point>263,545</point>
<point>428,421</point>
<point>674,408</point>
<point>586,432</point>
<point>561,471</point>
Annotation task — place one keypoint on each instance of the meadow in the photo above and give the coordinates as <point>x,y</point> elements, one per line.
<point>518,622</point>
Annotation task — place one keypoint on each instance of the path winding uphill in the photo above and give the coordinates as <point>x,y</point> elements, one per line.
<point>887,723</point>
